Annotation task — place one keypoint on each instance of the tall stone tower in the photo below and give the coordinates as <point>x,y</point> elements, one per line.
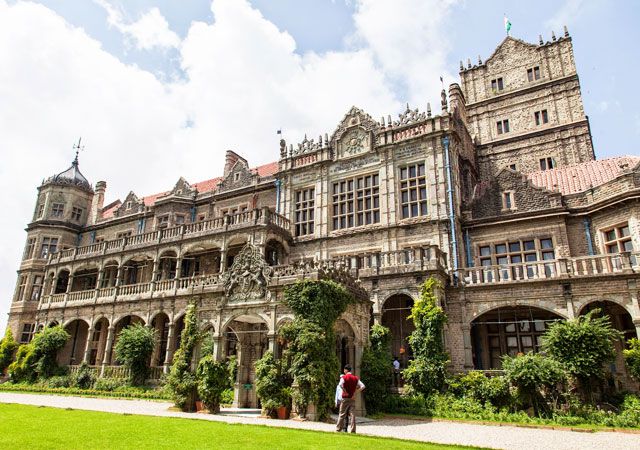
<point>524,107</point>
<point>62,209</point>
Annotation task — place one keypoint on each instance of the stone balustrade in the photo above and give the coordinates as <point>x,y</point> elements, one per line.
<point>562,268</point>
<point>187,231</point>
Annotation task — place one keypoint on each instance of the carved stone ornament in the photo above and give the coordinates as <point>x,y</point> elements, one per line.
<point>248,277</point>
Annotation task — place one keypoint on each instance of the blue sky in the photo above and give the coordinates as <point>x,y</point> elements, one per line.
<point>160,89</point>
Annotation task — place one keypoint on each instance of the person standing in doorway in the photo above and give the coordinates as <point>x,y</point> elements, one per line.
<point>396,372</point>
<point>350,385</point>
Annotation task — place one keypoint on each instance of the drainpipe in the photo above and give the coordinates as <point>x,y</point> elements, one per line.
<point>452,213</point>
<point>467,244</point>
<point>587,231</point>
<point>278,184</point>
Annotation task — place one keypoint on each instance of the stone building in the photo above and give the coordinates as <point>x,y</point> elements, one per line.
<point>498,195</point>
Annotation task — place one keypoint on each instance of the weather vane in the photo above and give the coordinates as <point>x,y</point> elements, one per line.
<point>78,147</point>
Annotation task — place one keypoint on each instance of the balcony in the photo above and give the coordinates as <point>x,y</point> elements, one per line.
<point>246,219</point>
<point>419,259</point>
<point>558,269</point>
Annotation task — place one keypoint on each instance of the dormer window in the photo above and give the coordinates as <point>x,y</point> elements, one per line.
<point>236,176</point>
<point>508,200</point>
<point>533,73</point>
<point>497,84</point>
<point>129,205</point>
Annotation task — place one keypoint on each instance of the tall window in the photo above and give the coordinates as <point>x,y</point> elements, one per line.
<point>304,215</point>
<point>57,209</point>
<point>28,250</point>
<point>413,190</point>
<point>356,202</point>
<point>503,126</point>
<point>497,84</point>
<point>547,163</point>
<point>618,239</point>
<point>533,73</point>
<point>541,117</point>
<point>37,288</point>
<point>40,210</point>
<point>508,200</point>
<point>76,214</point>
<point>49,245</point>
<point>27,333</point>
<point>22,284</point>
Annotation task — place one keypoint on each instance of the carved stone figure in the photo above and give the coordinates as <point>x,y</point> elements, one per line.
<point>248,277</point>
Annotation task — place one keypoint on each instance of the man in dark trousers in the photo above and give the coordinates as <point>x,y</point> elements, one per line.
<point>350,384</point>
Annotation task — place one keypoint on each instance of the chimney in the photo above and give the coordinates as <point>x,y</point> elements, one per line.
<point>97,202</point>
<point>230,159</point>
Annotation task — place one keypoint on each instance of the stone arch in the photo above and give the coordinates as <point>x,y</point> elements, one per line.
<point>61,280</point>
<point>73,351</point>
<point>581,306</point>
<point>160,322</point>
<point>86,265</point>
<point>508,330</point>
<point>486,307</point>
<point>345,342</point>
<point>98,340</point>
<point>275,253</point>
<point>395,312</point>
<point>167,263</point>
<point>137,268</point>
<point>119,324</point>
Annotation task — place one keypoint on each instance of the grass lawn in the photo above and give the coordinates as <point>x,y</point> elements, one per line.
<point>35,427</point>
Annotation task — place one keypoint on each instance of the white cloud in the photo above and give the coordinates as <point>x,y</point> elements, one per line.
<point>151,30</point>
<point>243,81</point>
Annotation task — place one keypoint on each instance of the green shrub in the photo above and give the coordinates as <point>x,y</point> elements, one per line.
<point>477,385</point>
<point>133,349</point>
<point>272,384</point>
<point>320,302</point>
<point>59,381</point>
<point>583,345</point>
<point>631,358</point>
<point>376,368</point>
<point>536,377</point>
<point>23,367</point>
<point>408,404</point>
<point>426,373</point>
<point>8,348</point>
<point>213,380</point>
<point>85,377</point>
<point>38,358</point>
<point>227,397</point>
<point>182,383</point>
<point>108,384</point>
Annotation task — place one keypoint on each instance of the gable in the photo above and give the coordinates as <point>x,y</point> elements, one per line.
<point>354,135</point>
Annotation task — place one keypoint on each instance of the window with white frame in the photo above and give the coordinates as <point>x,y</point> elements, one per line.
<point>49,245</point>
<point>508,200</point>
<point>547,163</point>
<point>533,73</point>
<point>502,126</point>
<point>617,239</point>
<point>541,117</point>
<point>497,84</point>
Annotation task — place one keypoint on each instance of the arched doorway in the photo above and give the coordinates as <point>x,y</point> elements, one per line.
<point>274,253</point>
<point>160,323</point>
<point>622,321</point>
<point>62,281</point>
<point>123,323</point>
<point>98,341</point>
<point>246,339</point>
<point>84,280</point>
<point>73,351</point>
<point>395,316</point>
<point>345,343</point>
<point>507,331</point>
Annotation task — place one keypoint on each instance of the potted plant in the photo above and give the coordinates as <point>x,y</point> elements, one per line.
<point>285,403</point>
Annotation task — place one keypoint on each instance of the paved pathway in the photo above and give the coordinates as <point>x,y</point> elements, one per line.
<point>502,437</point>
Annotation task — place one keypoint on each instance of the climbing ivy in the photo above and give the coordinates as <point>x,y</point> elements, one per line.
<point>8,347</point>
<point>426,372</point>
<point>377,368</point>
<point>133,349</point>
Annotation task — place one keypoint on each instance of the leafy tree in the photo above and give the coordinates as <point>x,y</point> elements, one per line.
<point>377,368</point>
<point>84,377</point>
<point>213,380</point>
<point>8,347</point>
<point>477,385</point>
<point>38,358</point>
<point>583,345</point>
<point>632,358</point>
<point>313,363</point>
<point>133,349</point>
<point>182,381</point>
<point>534,374</point>
<point>426,373</point>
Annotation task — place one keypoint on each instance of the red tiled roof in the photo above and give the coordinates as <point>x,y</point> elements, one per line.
<point>107,211</point>
<point>267,170</point>
<point>580,177</point>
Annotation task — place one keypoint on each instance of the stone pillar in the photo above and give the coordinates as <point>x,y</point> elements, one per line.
<point>69,283</point>
<point>170,343</point>
<point>119,276</point>
<point>468,346</point>
<point>87,347</point>
<point>106,360</point>
<point>223,260</point>
<point>100,278</point>
<point>360,406</point>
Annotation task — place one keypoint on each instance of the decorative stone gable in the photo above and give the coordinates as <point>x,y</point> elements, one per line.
<point>239,176</point>
<point>131,205</point>
<point>354,136</point>
<point>248,277</point>
<point>182,189</point>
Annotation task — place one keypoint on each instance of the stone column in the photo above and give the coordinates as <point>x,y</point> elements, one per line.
<point>468,346</point>
<point>223,260</point>
<point>170,343</point>
<point>69,283</point>
<point>87,347</point>
<point>119,276</point>
<point>106,359</point>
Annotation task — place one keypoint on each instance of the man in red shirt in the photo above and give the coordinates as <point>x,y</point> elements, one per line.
<point>350,384</point>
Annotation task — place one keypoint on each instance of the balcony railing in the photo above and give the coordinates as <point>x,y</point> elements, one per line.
<point>240,220</point>
<point>582,266</point>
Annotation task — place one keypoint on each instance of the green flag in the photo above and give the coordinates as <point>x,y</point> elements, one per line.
<point>507,25</point>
